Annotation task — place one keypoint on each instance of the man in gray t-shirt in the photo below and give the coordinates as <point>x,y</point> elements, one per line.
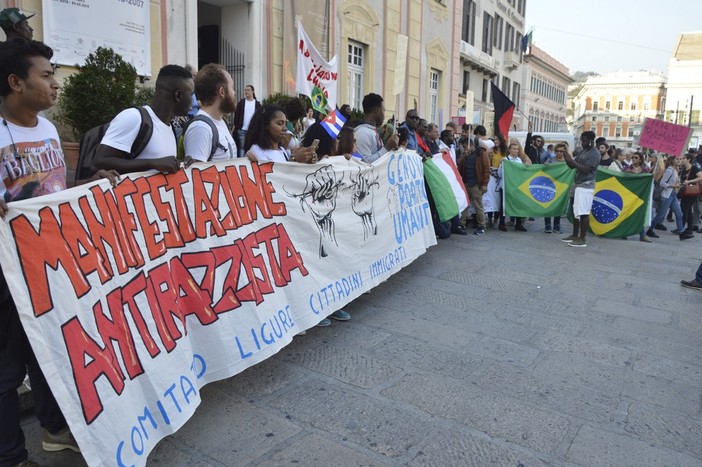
<point>585,165</point>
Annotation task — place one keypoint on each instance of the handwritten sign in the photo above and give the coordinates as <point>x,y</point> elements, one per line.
<point>665,137</point>
<point>134,297</point>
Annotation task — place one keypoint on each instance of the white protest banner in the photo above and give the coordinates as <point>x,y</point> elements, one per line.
<point>470,104</point>
<point>489,122</point>
<point>76,28</point>
<point>134,297</point>
<point>316,77</point>
<point>400,64</point>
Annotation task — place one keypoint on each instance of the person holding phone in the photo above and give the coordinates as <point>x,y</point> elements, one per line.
<point>266,136</point>
<point>368,141</point>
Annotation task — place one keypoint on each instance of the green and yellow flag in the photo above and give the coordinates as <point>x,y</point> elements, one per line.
<point>537,190</point>
<point>319,102</point>
<point>622,203</point>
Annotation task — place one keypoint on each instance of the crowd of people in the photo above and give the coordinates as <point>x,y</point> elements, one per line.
<point>286,133</point>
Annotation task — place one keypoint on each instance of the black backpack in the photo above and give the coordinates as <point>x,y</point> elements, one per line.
<point>215,137</point>
<point>463,169</point>
<point>90,141</point>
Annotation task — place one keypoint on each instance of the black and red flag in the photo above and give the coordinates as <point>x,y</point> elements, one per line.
<point>504,109</point>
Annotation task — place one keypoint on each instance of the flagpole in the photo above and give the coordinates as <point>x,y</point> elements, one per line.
<point>520,111</point>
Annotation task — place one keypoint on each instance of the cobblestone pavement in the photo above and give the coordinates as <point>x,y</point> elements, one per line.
<point>505,349</point>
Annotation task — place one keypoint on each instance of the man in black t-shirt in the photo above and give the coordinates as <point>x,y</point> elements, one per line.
<point>605,159</point>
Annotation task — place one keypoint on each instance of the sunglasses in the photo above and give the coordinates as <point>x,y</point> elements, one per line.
<point>413,118</point>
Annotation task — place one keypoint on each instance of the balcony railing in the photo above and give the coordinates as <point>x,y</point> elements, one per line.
<point>478,59</point>
<point>512,60</point>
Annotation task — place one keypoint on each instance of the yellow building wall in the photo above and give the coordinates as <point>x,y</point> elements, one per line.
<point>359,22</point>
<point>393,15</point>
<point>376,25</point>
<point>275,46</point>
<point>414,55</point>
<point>157,44</point>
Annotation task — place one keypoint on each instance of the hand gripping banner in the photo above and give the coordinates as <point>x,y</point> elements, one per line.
<point>136,296</point>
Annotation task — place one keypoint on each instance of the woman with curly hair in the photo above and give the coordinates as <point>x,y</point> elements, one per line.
<point>265,137</point>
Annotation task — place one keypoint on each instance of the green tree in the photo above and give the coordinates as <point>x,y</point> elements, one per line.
<point>144,95</point>
<point>98,91</point>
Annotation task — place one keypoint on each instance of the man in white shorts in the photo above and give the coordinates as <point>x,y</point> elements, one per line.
<point>215,89</point>
<point>585,165</point>
<point>173,97</point>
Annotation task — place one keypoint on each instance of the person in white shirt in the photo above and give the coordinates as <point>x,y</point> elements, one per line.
<point>242,117</point>
<point>215,88</point>
<point>267,133</point>
<point>308,120</point>
<point>173,96</point>
<point>33,165</point>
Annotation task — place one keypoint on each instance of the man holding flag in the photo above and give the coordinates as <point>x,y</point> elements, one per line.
<point>368,141</point>
<point>585,165</point>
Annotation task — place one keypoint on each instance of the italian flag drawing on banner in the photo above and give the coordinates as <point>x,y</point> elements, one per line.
<point>446,185</point>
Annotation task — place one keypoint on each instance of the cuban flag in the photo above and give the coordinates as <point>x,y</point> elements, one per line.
<point>333,123</point>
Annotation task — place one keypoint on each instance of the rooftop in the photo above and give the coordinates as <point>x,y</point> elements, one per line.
<point>689,46</point>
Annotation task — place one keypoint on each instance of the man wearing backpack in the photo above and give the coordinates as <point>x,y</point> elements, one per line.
<point>173,96</point>
<point>32,166</point>
<point>206,137</point>
<point>475,171</point>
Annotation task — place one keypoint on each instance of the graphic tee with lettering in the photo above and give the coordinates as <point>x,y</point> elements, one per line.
<point>33,165</point>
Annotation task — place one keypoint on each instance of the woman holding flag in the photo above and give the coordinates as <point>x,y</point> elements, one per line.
<point>515,154</point>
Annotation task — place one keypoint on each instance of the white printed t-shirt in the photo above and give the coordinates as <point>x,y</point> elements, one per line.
<point>273,155</point>
<point>125,126</point>
<point>37,168</point>
<point>198,140</point>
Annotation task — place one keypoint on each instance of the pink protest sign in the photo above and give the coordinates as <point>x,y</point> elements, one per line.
<point>665,137</point>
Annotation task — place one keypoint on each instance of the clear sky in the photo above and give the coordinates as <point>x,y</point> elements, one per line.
<point>610,35</point>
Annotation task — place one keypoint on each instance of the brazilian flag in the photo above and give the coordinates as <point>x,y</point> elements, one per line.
<point>621,204</point>
<point>319,102</point>
<point>539,190</point>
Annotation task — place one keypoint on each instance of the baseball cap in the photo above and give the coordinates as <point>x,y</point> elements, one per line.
<point>11,16</point>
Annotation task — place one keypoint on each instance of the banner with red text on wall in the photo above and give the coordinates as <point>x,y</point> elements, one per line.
<point>134,297</point>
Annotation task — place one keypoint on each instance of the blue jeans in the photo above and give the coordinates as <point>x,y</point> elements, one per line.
<point>556,223</point>
<point>241,137</point>
<point>671,202</point>
<point>698,275</point>
<point>16,360</point>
